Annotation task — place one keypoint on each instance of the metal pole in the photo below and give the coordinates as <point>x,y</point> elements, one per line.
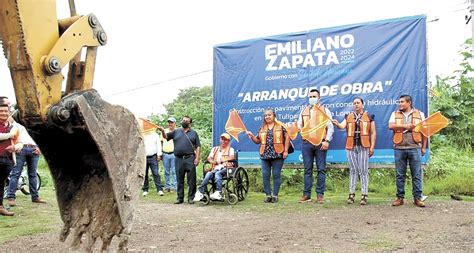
<point>72,8</point>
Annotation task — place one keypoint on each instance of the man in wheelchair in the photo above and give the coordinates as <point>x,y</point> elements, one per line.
<point>220,158</point>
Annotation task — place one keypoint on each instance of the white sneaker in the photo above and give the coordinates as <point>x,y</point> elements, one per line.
<point>216,195</point>
<point>161,193</point>
<point>198,196</point>
<point>144,194</point>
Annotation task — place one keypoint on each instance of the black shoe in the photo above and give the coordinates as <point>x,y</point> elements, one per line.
<point>191,201</point>
<point>275,199</point>
<point>179,202</point>
<point>268,199</point>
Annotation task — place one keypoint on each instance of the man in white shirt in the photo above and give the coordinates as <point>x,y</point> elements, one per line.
<point>30,155</point>
<point>153,155</point>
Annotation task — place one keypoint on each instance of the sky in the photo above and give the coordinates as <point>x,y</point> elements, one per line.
<point>155,48</point>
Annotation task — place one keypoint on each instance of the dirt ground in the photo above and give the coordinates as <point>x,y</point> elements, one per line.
<point>443,226</point>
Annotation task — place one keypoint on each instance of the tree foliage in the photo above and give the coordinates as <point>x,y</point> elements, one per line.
<point>196,103</point>
<point>454,97</point>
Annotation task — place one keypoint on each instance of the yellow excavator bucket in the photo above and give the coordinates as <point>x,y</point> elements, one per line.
<point>94,150</point>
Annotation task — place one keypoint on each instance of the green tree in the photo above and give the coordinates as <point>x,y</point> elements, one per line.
<point>454,97</point>
<point>196,103</point>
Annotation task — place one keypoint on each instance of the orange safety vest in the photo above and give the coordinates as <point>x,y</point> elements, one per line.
<point>364,130</point>
<point>278,138</point>
<point>225,156</point>
<point>311,119</point>
<point>400,120</point>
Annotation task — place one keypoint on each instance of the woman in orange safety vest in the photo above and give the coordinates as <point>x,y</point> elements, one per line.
<point>274,142</point>
<point>360,144</point>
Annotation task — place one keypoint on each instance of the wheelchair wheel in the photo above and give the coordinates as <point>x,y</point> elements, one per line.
<point>206,199</point>
<point>232,199</point>
<point>242,183</point>
<point>5,189</point>
<point>25,186</point>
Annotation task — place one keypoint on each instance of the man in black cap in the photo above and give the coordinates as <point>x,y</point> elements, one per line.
<point>187,149</point>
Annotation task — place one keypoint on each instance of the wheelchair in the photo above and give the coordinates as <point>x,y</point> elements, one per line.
<point>235,184</point>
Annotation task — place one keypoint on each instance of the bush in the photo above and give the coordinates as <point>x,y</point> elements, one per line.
<point>453,96</point>
<point>450,171</point>
<point>383,181</point>
<point>459,182</point>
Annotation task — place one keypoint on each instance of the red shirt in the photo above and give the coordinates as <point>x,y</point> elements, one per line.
<point>5,128</point>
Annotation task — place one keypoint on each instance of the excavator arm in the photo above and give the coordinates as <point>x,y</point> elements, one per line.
<point>38,46</point>
<point>94,150</point>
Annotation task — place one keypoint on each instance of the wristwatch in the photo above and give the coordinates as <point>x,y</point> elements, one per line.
<point>326,141</point>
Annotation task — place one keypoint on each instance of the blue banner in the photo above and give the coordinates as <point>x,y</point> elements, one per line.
<point>378,61</point>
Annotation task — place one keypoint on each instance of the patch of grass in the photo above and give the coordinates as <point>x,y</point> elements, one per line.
<point>450,171</point>
<point>31,218</point>
<point>381,243</point>
<point>288,203</point>
<point>169,197</point>
<point>459,182</point>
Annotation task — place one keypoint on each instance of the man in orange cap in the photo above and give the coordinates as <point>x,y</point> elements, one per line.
<point>220,158</point>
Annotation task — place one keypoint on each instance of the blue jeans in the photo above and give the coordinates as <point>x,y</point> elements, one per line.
<point>170,171</point>
<point>217,175</point>
<point>271,166</point>
<point>413,158</point>
<point>152,163</point>
<point>310,152</point>
<point>31,159</point>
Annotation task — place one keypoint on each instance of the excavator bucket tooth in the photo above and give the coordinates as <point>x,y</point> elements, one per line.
<point>96,155</point>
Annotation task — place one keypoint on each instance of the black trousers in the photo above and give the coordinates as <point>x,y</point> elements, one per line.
<point>4,173</point>
<point>186,166</point>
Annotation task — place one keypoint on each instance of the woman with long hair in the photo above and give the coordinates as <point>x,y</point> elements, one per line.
<point>274,142</point>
